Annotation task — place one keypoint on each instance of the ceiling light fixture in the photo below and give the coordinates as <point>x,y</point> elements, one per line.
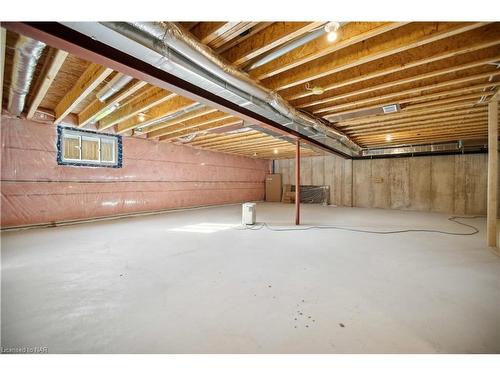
<point>275,151</point>
<point>316,90</point>
<point>106,112</point>
<point>332,31</point>
<point>388,137</point>
<point>332,37</point>
<point>141,116</point>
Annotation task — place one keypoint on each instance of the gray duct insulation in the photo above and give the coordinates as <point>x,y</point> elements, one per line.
<point>183,56</point>
<point>26,56</point>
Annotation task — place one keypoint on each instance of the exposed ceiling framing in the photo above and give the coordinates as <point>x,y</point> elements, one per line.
<point>440,74</point>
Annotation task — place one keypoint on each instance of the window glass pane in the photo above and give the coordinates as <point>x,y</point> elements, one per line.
<point>107,150</point>
<point>90,149</point>
<point>71,147</point>
<point>85,148</point>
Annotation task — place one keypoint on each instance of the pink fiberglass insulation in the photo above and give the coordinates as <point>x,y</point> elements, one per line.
<point>155,176</point>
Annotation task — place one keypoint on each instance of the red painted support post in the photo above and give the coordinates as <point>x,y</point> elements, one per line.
<point>297,184</point>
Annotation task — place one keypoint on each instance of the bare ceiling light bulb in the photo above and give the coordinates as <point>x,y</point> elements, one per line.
<point>332,26</point>
<point>275,151</point>
<point>141,117</point>
<point>332,31</point>
<point>332,36</point>
<point>388,137</point>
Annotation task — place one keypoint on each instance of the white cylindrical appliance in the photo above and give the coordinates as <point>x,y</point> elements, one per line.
<point>248,213</point>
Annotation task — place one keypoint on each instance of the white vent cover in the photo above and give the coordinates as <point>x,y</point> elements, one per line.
<point>392,108</point>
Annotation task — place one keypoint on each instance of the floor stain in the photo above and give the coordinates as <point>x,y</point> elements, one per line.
<point>301,314</point>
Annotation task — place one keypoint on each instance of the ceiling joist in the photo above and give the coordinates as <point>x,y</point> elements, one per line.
<point>441,74</point>
<point>87,82</point>
<point>398,40</point>
<point>54,62</point>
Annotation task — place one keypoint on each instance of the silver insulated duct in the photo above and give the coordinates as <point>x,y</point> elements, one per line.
<point>179,53</point>
<point>116,84</point>
<point>26,56</point>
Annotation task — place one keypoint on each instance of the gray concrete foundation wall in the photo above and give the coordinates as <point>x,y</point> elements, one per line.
<point>321,170</point>
<point>443,183</point>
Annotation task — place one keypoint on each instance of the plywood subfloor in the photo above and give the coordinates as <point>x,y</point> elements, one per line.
<point>184,282</point>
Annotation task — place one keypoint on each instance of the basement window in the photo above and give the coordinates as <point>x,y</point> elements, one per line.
<point>85,148</point>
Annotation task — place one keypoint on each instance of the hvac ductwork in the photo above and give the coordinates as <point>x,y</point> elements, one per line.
<point>290,46</point>
<point>26,56</point>
<point>310,36</point>
<point>116,84</point>
<point>171,116</point>
<point>184,56</point>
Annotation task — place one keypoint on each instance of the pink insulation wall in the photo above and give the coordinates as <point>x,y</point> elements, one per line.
<point>155,176</point>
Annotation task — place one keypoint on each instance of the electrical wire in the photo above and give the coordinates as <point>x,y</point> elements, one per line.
<point>452,218</point>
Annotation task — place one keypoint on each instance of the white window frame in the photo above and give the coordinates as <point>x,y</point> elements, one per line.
<point>82,135</point>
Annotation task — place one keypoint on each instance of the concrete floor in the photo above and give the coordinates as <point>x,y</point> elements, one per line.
<point>177,283</point>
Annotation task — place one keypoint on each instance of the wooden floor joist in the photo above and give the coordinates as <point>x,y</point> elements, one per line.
<point>265,144</point>
<point>352,33</point>
<point>422,101</point>
<point>398,40</point>
<point>362,104</point>
<point>431,105</point>
<point>477,126</point>
<point>249,33</point>
<point>217,138</point>
<point>404,81</point>
<point>267,39</point>
<point>224,38</point>
<point>479,43</point>
<point>54,62</point>
<point>442,75</point>
<point>150,98</point>
<point>87,82</point>
<point>206,32</point>
<point>421,119</point>
<point>411,112</point>
<point>413,91</point>
<point>97,107</point>
<point>156,113</point>
<point>195,116</point>
<point>421,140</point>
<point>206,119</point>
<point>230,120</point>
<point>230,140</point>
<point>450,127</point>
